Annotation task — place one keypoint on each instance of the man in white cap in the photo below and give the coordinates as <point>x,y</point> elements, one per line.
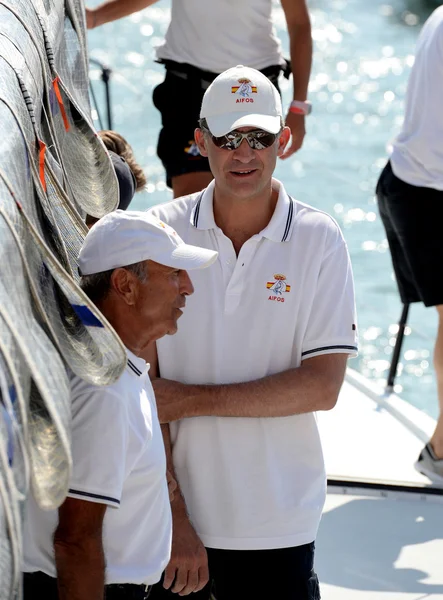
<point>204,39</point>
<point>111,537</point>
<point>262,347</point>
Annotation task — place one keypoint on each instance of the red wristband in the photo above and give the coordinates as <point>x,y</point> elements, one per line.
<point>296,110</point>
<point>300,108</point>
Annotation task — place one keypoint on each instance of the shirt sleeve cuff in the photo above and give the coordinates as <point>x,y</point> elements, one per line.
<point>350,348</point>
<point>75,492</point>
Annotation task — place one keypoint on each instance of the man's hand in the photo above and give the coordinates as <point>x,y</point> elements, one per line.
<point>172,485</point>
<point>296,124</point>
<point>187,570</point>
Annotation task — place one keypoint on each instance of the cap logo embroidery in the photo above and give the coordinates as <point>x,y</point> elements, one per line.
<point>278,287</point>
<point>244,90</point>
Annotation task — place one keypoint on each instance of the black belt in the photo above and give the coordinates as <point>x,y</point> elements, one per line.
<point>127,591</point>
<point>40,585</point>
<point>187,71</point>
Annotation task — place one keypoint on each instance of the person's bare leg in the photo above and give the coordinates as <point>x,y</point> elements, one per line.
<point>189,183</point>
<point>436,440</point>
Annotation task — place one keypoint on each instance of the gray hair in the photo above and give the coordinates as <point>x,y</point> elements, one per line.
<point>98,285</point>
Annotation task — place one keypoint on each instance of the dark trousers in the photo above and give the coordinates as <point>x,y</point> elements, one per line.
<point>39,586</point>
<point>282,574</point>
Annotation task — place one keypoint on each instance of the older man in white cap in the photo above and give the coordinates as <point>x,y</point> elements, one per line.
<point>263,346</point>
<point>111,538</point>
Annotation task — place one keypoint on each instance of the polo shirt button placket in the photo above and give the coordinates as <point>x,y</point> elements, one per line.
<point>236,285</point>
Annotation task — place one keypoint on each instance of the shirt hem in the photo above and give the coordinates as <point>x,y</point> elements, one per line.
<point>258,543</point>
<point>149,580</point>
<point>165,54</point>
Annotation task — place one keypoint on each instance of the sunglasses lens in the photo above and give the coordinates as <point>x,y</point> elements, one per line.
<point>258,140</point>
<point>230,141</point>
<point>262,139</point>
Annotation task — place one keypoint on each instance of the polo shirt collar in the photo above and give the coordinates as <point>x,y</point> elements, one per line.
<point>202,215</point>
<point>279,228</point>
<point>135,364</point>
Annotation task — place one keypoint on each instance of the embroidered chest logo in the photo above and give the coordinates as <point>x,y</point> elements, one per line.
<point>244,90</point>
<point>278,287</point>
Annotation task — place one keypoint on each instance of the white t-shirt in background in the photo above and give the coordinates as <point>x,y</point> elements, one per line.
<point>417,155</point>
<point>254,483</point>
<point>118,460</point>
<point>215,35</point>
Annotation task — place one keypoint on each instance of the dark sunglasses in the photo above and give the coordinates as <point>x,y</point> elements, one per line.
<point>257,139</point>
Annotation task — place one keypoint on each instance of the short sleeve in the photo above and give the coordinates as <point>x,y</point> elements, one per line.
<point>99,446</point>
<point>332,326</point>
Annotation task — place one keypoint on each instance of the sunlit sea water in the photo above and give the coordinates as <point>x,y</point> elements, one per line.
<point>362,57</point>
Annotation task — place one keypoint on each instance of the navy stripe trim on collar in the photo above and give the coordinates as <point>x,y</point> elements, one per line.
<point>329,348</point>
<point>288,220</point>
<point>133,368</point>
<point>98,496</point>
<point>197,210</point>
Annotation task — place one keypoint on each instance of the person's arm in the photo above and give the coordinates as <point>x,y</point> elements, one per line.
<point>113,10</point>
<point>329,337</point>
<point>99,445</point>
<point>300,41</point>
<point>187,570</point>
<point>311,387</point>
<point>78,549</point>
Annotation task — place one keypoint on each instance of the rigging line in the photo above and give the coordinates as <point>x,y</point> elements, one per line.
<point>94,99</point>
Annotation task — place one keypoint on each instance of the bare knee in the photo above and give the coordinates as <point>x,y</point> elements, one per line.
<point>189,183</point>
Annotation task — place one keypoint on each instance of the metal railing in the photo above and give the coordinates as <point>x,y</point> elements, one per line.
<point>105,77</point>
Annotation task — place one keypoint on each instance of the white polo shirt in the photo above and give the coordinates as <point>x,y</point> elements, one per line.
<point>417,155</point>
<point>256,483</point>
<point>118,460</point>
<point>216,35</point>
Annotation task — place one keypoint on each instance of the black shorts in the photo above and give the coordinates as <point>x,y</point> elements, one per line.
<point>179,98</point>
<point>413,220</point>
<point>282,574</point>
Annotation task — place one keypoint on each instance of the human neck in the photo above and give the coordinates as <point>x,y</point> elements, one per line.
<point>240,219</point>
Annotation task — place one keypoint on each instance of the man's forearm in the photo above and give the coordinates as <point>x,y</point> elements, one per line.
<point>178,506</point>
<point>116,9</point>
<point>313,386</point>
<point>301,60</point>
<point>80,569</point>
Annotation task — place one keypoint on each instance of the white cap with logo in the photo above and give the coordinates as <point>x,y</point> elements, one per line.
<point>241,97</point>
<point>125,237</point>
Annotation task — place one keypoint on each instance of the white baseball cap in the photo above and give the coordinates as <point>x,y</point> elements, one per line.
<point>125,237</point>
<point>241,97</point>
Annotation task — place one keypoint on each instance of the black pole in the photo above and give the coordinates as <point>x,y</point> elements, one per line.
<point>106,77</point>
<point>397,348</point>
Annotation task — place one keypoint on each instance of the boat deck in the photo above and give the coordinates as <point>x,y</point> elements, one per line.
<point>362,438</point>
<point>371,548</point>
<point>376,541</point>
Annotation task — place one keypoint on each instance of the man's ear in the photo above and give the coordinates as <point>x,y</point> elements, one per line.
<point>283,140</point>
<point>125,285</point>
<point>200,140</point>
